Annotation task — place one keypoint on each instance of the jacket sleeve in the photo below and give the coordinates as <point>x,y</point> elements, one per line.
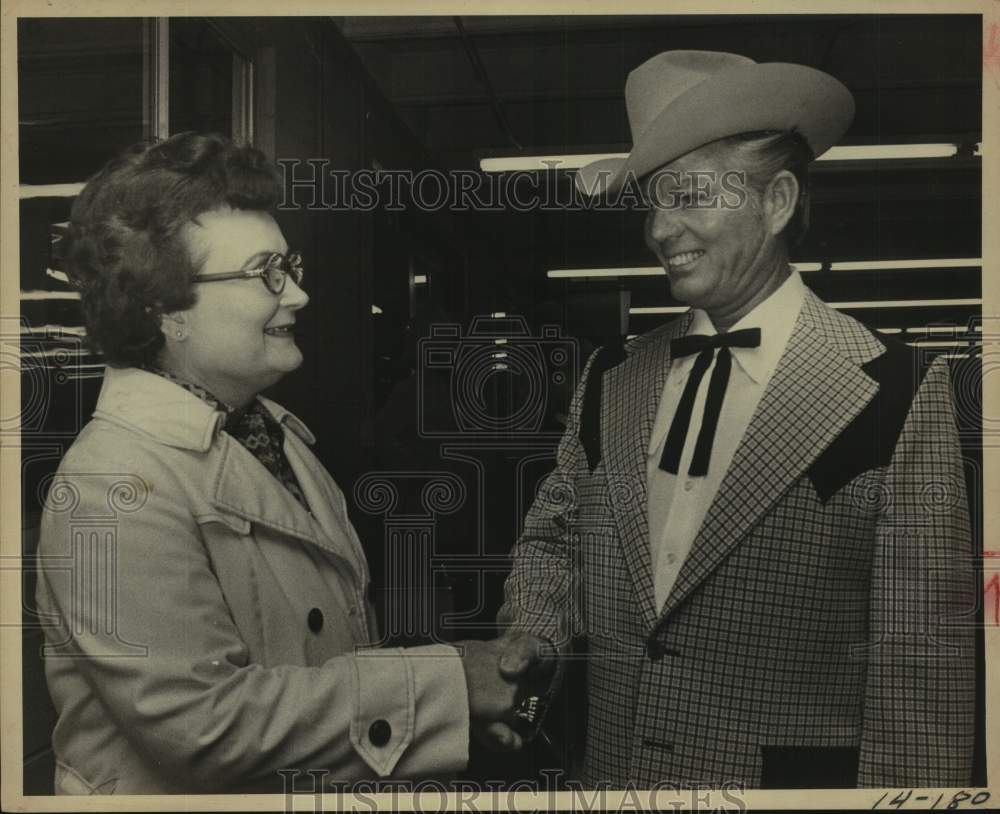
<point>542,593</point>
<point>138,612</point>
<point>920,692</point>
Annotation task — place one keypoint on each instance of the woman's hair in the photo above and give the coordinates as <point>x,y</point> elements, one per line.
<point>124,249</point>
<point>762,155</point>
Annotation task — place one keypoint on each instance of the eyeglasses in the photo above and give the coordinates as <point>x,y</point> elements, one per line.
<point>277,268</point>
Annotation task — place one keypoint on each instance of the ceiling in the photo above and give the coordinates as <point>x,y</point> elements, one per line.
<point>475,87</point>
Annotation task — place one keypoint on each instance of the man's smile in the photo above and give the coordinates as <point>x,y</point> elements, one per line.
<point>683,259</point>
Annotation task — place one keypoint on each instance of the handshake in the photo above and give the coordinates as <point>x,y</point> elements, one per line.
<point>508,681</point>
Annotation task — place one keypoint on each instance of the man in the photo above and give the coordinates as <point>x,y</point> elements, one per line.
<point>758,520</point>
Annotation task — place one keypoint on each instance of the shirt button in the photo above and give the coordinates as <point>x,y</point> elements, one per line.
<point>671,558</point>
<point>315,620</point>
<point>352,612</point>
<point>688,485</point>
<point>379,732</point>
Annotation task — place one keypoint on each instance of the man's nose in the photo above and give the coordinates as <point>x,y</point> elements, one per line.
<point>664,223</point>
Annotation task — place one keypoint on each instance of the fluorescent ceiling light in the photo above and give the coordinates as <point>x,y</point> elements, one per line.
<point>50,353</point>
<point>861,152</point>
<point>880,265</point>
<point>542,162</point>
<point>646,271</point>
<point>969,343</point>
<point>49,295</point>
<point>658,309</point>
<point>938,329</point>
<point>853,265</point>
<point>376,310</point>
<point>49,190</point>
<point>641,271</point>
<point>676,309</point>
<point>905,303</point>
<point>865,152</point>
<point>419,279</point>
<point>53,330</point>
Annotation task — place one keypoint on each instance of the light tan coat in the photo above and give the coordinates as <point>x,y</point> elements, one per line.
<point>178,578</point>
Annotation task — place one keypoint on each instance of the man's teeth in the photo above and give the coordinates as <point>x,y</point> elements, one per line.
<point>684,259</point>
<point>283,329</point>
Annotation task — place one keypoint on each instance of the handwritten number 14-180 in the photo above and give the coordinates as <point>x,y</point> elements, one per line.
<point>960,799</point>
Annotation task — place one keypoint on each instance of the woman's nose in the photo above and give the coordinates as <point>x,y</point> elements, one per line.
<point>293,296</point>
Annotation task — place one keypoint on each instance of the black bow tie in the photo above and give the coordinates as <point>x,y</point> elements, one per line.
<point>705,347</point>
<point>687,345</point>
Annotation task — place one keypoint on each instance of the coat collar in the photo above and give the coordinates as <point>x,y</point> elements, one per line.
<point>157,408</point>
<point>162,410</point>
<point>817,389</point>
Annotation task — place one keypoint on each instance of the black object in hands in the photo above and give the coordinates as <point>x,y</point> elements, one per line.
<point>531,702</point>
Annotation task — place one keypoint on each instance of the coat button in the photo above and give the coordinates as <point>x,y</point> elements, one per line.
<point>315,620</point>
<point>654,650</point>
<point>379,732</point>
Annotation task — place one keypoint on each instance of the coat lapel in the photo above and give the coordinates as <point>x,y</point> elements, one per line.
<point>242,487</point>
<point>629,401</point>
<point>816,391</point>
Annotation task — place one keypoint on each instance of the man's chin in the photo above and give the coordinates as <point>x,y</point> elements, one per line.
<point>688,292</point>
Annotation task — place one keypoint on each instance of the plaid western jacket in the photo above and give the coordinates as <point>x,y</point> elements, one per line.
<point>820,632</point>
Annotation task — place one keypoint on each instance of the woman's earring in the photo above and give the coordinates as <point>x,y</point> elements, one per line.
<point>180,334</point>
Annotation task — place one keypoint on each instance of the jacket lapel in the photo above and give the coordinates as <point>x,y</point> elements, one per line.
<point>238,491</point>
<point>629,401</point>
<point>816,391</point>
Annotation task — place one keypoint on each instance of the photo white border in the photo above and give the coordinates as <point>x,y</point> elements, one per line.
<point>11,778</point>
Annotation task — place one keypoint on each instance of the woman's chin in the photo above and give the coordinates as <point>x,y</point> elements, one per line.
<point>281,365</point>
<point>292,361</point>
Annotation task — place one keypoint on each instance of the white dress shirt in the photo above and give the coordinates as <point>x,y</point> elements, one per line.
<point>677,503</point>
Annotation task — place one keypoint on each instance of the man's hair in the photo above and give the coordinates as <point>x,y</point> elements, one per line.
<point>762,155</point>
<point>124,248</point>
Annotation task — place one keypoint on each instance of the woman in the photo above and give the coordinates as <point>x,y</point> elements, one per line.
<point>205,586</point>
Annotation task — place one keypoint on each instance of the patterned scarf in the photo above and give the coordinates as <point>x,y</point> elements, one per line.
<point>260,433</point>
<point>255,428</point>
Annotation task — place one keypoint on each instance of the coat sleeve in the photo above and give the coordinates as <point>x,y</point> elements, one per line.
<point>542,593</point>
<point>139,614</point>
<point>920,693</point>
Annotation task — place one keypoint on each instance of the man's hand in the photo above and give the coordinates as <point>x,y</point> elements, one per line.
<point>491,694</point>
<point>519,656</point>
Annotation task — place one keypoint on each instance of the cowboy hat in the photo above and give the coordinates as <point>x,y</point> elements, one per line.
<point>681,100</point>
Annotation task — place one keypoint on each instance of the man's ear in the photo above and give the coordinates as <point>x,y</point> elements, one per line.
<point>174,326</point>
<point>780,198</point>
